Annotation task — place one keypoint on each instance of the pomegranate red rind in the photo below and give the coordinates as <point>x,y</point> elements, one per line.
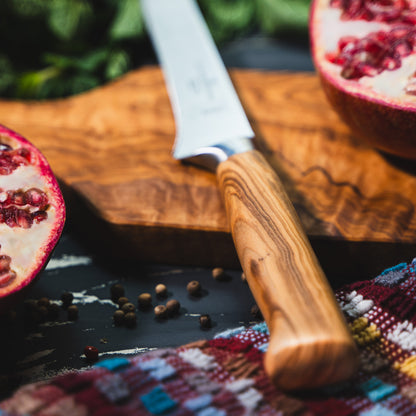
<point>32,213</point>
<point>365,54</point>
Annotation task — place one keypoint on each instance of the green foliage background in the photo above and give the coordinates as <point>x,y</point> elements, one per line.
<point>56,48</point>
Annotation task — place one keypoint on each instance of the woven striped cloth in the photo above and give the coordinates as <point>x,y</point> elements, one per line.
<point>225,376</point>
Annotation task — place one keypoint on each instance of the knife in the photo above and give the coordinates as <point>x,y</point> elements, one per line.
<point>310,344</point>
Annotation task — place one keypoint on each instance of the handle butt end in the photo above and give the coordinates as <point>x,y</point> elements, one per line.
<point>303,364</point>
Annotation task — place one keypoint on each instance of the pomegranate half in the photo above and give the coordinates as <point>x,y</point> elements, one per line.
<point>32,213</point>
<point>365,54</point>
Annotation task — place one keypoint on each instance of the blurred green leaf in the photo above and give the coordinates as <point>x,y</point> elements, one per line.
<point>228,18</point>
<point>83,82</point>
<point>55,48</point>
<point>31,7</point>
<point>7,77</point>
<point>118,64</point>
<point>66,17</point>
<point>281,15</point>
<point>128,22</point>
<point>30,83</point>
<point>88,62</point>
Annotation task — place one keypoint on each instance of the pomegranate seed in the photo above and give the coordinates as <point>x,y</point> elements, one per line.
<point>24,219</point>
<point>36,197</point>
<point>18,198</point>
<point>18,160</point>
<point>91,353</point>
<point>39,216</point>
<point>389,63</point>
<point>7,277</point>
<point>10,216</point>
<point>25,153</point>
<point>4,263</point>
<point>346,41</point>
<point>6,170</point>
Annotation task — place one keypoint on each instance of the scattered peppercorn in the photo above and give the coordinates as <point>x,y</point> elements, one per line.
<point>160,311</point>
<point>122,301</point>
<point>91,353</point>
<point>72,312</point>
<point>256,312</point>
<point>67,298</point>
<point>117,291</point>
<point>173,307</point>
<point>44,301</point>
<point>194,288</point>
<point>118,317</point>
<point>218,273</point>
<point>161,290</point>
<point>53,311</point>
<point>43,312</point>
<point>32,314</point>
<point>130,319</point>
<point>205,321</point>
<point>128,307</point>
<point>144,300</point>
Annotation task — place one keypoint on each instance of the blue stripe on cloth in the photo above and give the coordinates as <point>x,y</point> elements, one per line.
<point>376,390</point>
<point>157,401</point>
<point>113,364</point>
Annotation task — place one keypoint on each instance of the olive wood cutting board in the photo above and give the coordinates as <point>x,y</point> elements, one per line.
<point>111,151</point>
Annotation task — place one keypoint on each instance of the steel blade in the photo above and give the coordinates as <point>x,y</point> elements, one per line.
<point>205,104</point>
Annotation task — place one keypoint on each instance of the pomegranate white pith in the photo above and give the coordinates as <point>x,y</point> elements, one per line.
<point>365,54</point>
<point>32,212</point>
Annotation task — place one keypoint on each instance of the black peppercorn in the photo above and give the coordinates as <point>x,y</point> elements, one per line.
<point>72,312</point>
<point>161,290</point>
<point>194,288</point>
<point>205,321</point>
<point>67,298</point>
<point>160,311</point>
<point>32,314</point>
<point>44,301</point>
<point>128,307</point>
<point>117,291</point>
<point>53,311</point>
<point>144,300</point>
<point>173,307</point>
<point>218,273</point>
<point>118,317</point>
<point>122,301</point>
<point>130,319</point>
<point>43,312</point>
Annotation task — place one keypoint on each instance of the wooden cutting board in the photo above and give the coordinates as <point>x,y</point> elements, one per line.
<point>111,150</point>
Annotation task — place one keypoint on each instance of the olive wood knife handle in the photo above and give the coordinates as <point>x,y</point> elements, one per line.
<point>310,344</point>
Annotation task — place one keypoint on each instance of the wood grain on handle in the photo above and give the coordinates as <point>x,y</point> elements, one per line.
<point>310,344</point>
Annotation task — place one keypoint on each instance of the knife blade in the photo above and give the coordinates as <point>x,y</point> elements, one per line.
<point>310,344</point>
